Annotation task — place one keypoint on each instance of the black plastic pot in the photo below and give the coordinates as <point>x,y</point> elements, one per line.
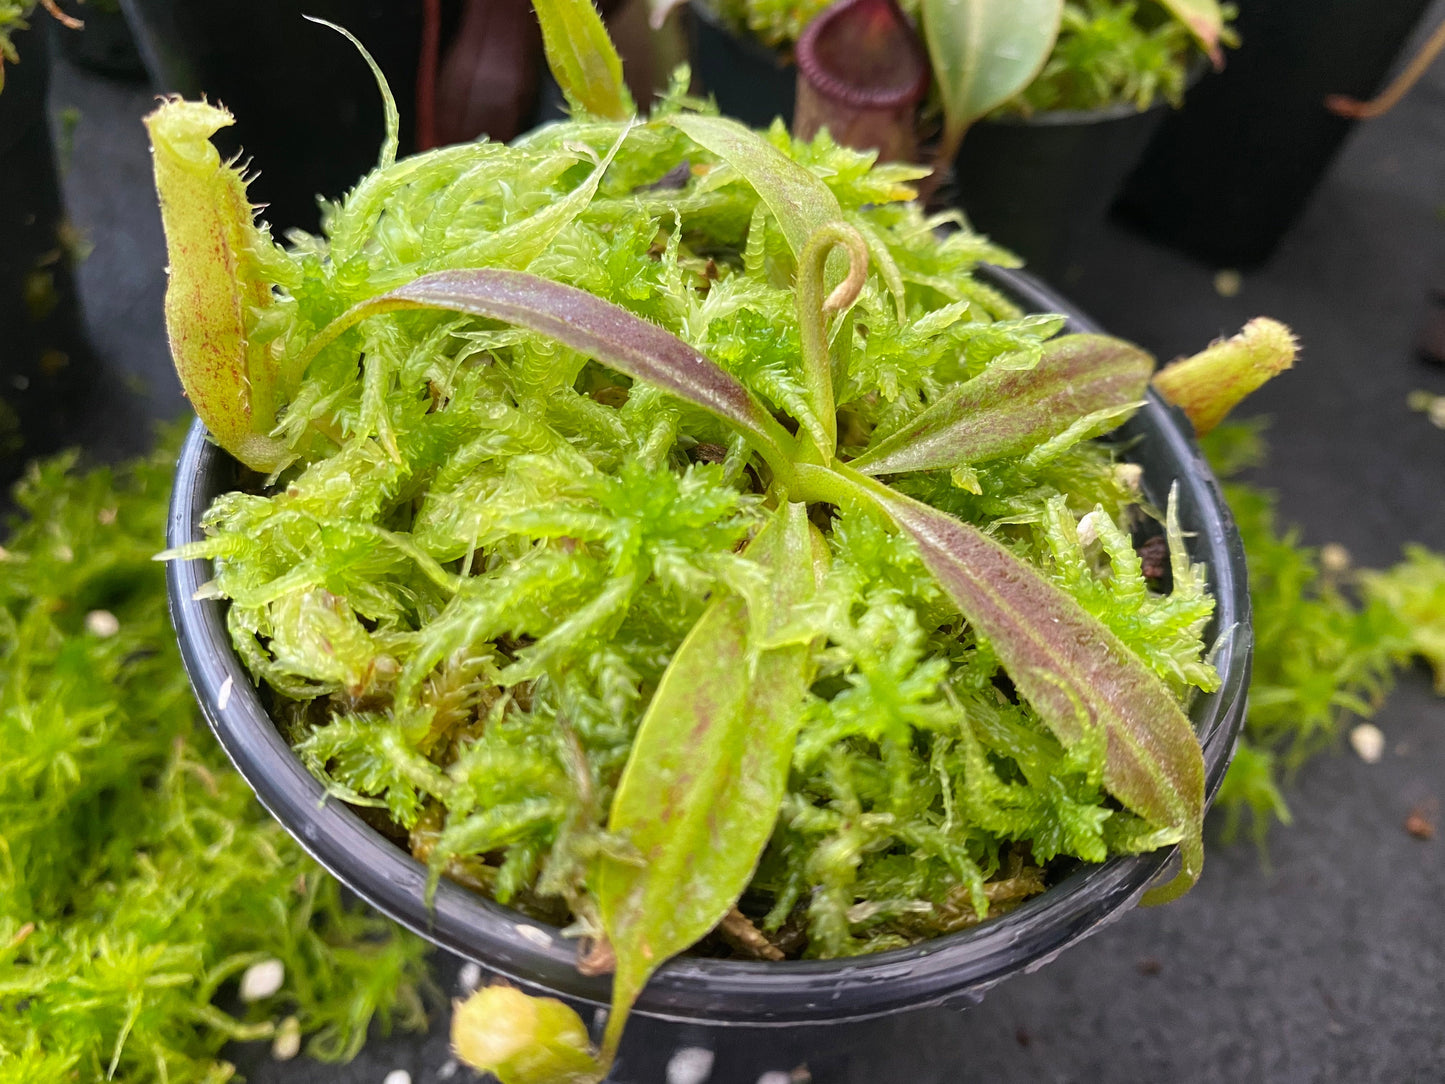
<point>104,45</point>
<point>840,1015</point>
<point>1227,176</point>
<point>1039,185</point>
<point>46,367</point>
<point>307,108</point>
<point>748,80</point>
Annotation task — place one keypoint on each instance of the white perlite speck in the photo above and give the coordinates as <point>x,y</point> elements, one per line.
<point>690,1065</point>
<point>287,1043</point>
<point>102,623</point>
<point>449,1069</point>
<point>1368,741</point>
<point>469,977</point>
<point>397,1076</point>
<point>1089,528</point>
<point>775,1076</point>
<point>263,979</point>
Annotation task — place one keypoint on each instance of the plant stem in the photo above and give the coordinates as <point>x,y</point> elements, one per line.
<point>813,311</point>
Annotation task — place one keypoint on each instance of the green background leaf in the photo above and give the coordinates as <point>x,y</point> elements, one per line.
<point>582,58</point>
<point>983,53</point>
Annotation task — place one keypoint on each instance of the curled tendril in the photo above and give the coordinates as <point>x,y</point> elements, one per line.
<point>813,312</point>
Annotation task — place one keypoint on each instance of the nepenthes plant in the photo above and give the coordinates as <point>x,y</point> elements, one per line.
<point>660,528</point>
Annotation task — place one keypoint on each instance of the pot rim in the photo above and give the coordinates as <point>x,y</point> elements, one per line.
<point>954,970</point>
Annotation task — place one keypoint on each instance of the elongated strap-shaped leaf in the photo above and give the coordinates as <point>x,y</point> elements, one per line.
<point>984,52</point>
<point>582,58</point>
<point>798,199</point>
<point>208,225</point>
<point>1205,21</point>
<point>707,773</point>
<point>1072,669</point>
<point>597,328</point>
<point>1008,412</point>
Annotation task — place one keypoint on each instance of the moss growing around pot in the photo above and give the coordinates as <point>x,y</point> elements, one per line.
<point>141,879</point>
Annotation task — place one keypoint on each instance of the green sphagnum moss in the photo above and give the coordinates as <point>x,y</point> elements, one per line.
<point>139,877</point>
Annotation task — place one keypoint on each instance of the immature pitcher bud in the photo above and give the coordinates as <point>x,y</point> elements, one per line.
<point>521,1039</point>
<point>1213,382</point>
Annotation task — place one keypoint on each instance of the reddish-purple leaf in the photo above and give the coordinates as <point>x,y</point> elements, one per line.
<point>1010,411</point>
<point>1074,671</point>
<point>601,330</point>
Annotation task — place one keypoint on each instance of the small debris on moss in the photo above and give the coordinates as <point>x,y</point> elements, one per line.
<point>1334,558</point>
<point>690,1065</point>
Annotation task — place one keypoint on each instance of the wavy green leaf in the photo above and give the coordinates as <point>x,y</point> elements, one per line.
<point>707,772</point>
<point>1009,411</point>
<point>983,53</point>
<point>582,58</point>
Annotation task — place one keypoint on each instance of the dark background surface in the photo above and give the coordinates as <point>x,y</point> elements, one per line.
<point>1326,964</point>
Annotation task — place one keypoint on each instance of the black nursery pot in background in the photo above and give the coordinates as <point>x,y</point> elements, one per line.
<point>46,367</point>
<point>307,107</point>
<point>864,1019</point>
<point>1039,185</point>
<point>105,44</point>
<point>748,80</point>
<point>1227,176</point>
